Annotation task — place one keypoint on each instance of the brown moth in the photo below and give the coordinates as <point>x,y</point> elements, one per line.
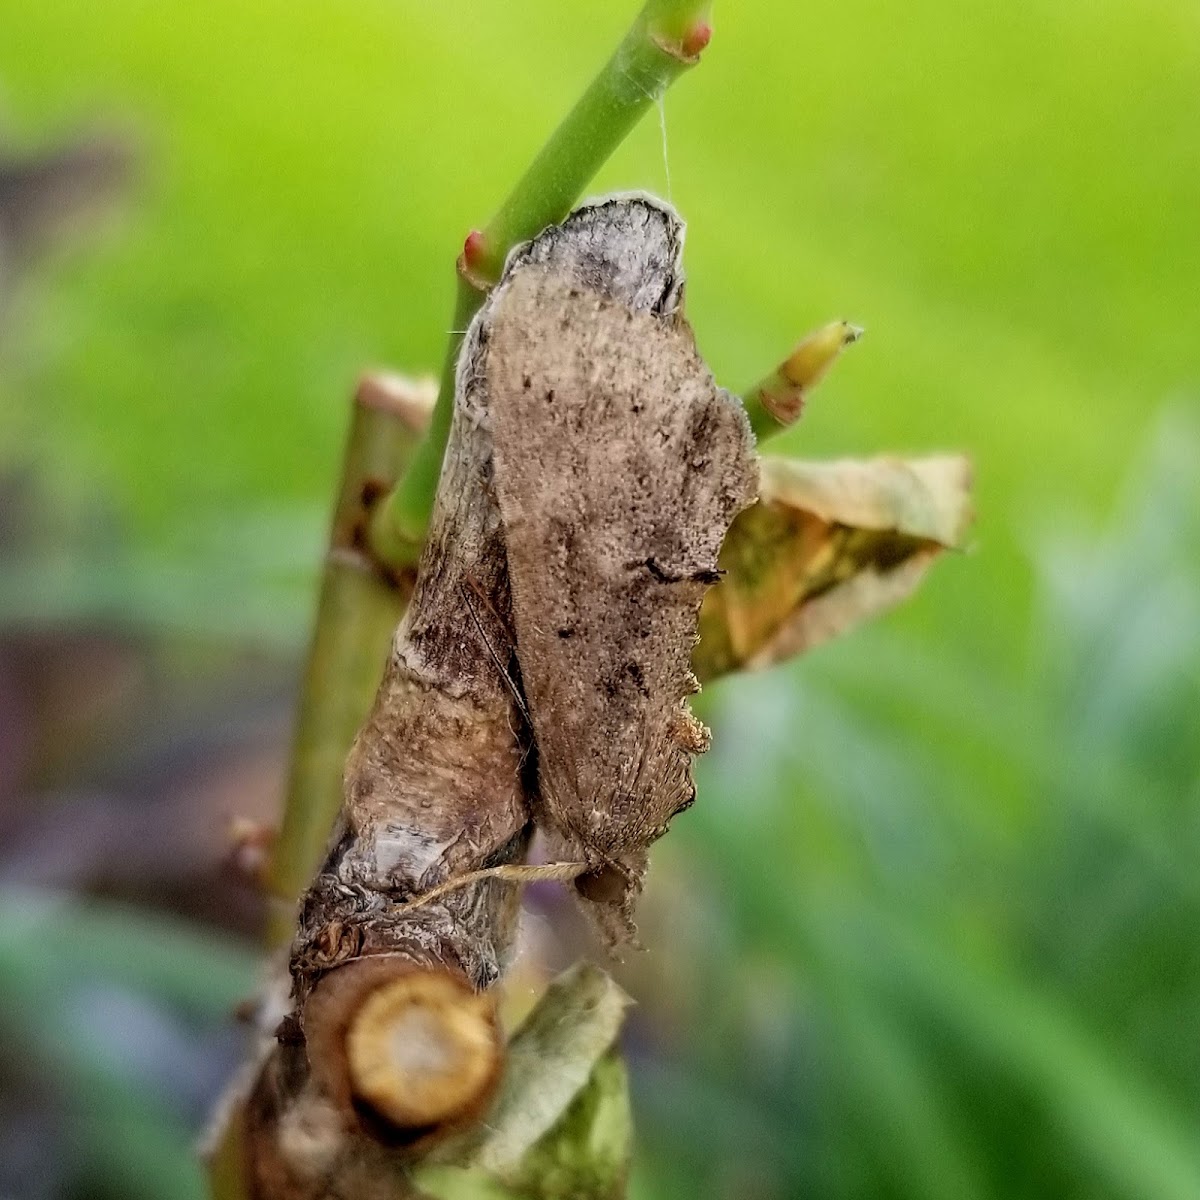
<point>618,466</point>
<point>541,674</point>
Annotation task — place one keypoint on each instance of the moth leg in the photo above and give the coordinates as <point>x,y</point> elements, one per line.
<point>609,891</point>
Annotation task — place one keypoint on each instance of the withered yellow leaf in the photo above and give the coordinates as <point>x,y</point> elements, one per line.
<point>828,545</point>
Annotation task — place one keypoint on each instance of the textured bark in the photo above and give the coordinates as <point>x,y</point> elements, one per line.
<point>433,784</point>
<point>360,605</point>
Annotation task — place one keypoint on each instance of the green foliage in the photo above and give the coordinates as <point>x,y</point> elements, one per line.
<point>944,870</point>
<point>560,1128</point>
<point>649,58</point>
<point>71,974</point>
<point>977,978</point>
<point>308,174</point>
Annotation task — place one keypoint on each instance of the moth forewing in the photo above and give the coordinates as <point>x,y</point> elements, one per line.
<point>618,468</point>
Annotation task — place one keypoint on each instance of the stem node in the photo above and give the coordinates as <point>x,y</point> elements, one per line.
<point>473,264</point>
<point>688,47</point>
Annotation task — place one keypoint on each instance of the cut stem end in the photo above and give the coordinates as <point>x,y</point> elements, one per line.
<point>423,1050</point>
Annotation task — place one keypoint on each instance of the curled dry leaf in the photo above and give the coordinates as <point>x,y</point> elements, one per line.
<point>828,546</point>
<point>592,473</point>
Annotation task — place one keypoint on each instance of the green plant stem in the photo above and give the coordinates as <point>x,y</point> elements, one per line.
<point>663,42</point>
<point>360,605</point>
<point>397,530</point>
<point>776,402</point>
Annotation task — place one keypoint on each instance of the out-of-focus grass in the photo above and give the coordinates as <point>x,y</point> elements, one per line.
<point>75,978</point>
<point>962,1008</point>
<point>949,859</point>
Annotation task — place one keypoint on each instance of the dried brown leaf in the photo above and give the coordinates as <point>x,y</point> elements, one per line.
<point>828,546</point>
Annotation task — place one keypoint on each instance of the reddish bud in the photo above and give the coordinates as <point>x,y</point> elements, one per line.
<point>473,261</point>
<point>473,248</point>
<point>696,38</point>
<point>250,845</point>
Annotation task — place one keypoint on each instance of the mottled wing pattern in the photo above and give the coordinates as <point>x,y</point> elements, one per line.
<point>618,467</point>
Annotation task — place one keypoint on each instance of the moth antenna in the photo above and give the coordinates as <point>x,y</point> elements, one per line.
<point>504,673</point>
<point>482,596</point>
<point>510,873</point>
<point>545,783</point>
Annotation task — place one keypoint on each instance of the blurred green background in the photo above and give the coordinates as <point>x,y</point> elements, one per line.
<point>931,930</point>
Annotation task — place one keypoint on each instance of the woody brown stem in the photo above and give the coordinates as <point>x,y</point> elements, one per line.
<point>433,791</point>
<point>388,1039</point>
<point>407,1052</point>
